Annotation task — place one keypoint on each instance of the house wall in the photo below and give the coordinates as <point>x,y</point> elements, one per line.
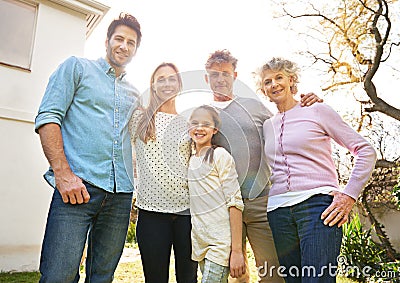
<point>389,218</point>
<point>24,195</point>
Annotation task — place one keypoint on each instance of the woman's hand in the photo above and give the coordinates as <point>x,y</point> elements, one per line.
<point>338,211</point>
<point>236,264</point>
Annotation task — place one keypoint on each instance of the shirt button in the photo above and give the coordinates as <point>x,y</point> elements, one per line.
<point>115,142</point>
<point>116,110</point>
<point>116,125</point>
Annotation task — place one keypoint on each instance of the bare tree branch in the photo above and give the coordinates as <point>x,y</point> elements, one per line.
<point>390,50</point>
<point>344,28</point>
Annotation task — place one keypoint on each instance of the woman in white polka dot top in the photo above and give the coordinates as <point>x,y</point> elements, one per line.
<point>162,148</point>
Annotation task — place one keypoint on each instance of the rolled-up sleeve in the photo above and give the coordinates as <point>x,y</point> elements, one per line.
<point>59,93</point>
<point>229,179</point>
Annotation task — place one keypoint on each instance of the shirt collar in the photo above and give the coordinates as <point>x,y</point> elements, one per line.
<point>106,67</point>
<point>221,104</point>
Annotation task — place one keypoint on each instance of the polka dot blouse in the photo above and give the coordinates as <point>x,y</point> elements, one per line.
<point>161,164</point>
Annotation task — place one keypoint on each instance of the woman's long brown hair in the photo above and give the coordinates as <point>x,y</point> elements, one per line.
<point>147,127</point>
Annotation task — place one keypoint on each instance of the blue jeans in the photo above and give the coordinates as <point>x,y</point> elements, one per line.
<point>157,233</point>
<point>213,272</point>
<point>103,222</point>
<point>307,249</point>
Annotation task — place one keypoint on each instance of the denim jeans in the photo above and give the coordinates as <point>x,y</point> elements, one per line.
<point>213,272</point>
<point>157,233</point>
<point>102,222</point>
<point>307,249</point>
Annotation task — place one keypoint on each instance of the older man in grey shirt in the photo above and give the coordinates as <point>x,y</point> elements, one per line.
<point>241,134</point>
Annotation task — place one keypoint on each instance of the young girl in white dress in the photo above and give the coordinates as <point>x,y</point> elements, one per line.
<point>215,202</point>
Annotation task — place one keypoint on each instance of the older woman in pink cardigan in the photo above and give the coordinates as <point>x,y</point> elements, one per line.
<point>306,206</point>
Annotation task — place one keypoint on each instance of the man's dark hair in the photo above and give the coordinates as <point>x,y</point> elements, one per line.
<point>128,20</point>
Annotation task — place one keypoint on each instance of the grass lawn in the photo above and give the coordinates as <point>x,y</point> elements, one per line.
<point>126,272</point>
<point>132,272</point>
<point>20,277</point>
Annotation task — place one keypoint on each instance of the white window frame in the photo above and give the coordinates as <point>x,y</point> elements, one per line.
<point>10,29</point>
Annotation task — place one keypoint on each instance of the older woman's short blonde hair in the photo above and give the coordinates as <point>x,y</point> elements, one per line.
<point>277,64</point>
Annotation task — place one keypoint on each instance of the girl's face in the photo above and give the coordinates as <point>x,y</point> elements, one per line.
<point>202,128</point>
<point>166,83</point>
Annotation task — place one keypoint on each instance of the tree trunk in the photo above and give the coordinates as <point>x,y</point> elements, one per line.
<point>384,239</point>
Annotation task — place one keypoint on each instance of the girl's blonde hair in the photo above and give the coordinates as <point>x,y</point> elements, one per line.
<point>147,125</point>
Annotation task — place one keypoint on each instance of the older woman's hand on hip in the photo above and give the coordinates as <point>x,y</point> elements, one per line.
<point>338,211</point>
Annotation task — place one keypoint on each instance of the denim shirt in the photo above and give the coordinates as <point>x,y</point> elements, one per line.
<point>93,108</point>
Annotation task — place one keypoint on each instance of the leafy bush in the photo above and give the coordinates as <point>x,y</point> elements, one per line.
<point>131,234</point>
<point>361,258</point>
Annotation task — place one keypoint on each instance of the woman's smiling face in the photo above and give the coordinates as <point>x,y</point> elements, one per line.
<point>166,83</point>
<point>277,86</point>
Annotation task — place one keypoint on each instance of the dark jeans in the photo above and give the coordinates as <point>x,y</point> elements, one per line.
<point>307,249</point>
<point>103,222</point>
<point>156,234</point>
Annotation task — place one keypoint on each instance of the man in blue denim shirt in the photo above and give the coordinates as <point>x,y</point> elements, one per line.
<point>82,123</point>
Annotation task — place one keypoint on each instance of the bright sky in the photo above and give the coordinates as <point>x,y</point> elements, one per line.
<point>186,32</point>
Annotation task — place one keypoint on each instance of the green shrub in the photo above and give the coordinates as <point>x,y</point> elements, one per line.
<point>131,234</point>
<point>361,259</point>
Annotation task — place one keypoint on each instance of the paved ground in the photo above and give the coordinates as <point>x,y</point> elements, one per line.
<point>130,255</point>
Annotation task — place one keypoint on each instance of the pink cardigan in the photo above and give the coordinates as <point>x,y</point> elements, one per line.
<point>298,149</point>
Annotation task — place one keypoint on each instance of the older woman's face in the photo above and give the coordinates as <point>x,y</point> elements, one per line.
<point>276,85</point>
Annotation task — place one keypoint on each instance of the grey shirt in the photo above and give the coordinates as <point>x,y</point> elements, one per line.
<point>242,136</point>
